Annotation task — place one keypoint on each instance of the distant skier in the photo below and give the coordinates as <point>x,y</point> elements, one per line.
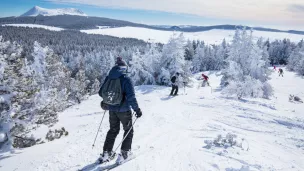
<point>281,72</point>
<point>118,96</point>
<point>174,82</point>
<point>205,78</point>
<point>274,67</point>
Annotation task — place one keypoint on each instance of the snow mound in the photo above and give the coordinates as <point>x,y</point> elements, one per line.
<point>36,10</point>
<point>3,137</point>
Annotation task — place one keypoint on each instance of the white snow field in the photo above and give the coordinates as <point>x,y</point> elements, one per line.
<point>35,26</point>
<point>214,36</point>
<point>171,133</point>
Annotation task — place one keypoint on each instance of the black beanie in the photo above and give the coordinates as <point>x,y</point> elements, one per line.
<point>120,62</point>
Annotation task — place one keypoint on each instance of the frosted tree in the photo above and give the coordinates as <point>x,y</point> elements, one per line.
<point>300,66</point>
<point>265,54</point>
<point>52,77</point>
<point>198,59</point>
<point>95,87</point>
<point>17,90</point>
<point>189,51</point>
<point>164,77</point>
<point>246,73</point>
<point>151,59</point>
<point>220,55</point>
<point>78,86</point>
<point>296,56</point>
<point>138,71</point>
<point>107,62</point>
<point>173,58</point>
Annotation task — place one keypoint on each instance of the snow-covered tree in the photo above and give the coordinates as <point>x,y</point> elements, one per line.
<point>296,59</point>
<point>95,87</point>
<point>246,74</point>
<point>173,54</point>
<point>198,59</point>
<point>78,86</point>
<point>139,71</point>
<point>151,59</point>
<point>189,51</point>
<point>17,90</point>
<point>52,77</point>
<point>164,77</point>
<point>173,59</point>
<point>265,54</point>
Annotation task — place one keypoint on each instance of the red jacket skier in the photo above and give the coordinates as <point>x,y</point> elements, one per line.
<point>205,77</point>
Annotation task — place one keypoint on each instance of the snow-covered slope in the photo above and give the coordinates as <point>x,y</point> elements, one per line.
<point>36,10</point>
<point>35,26</point>
<point>213,36</point>
<point>170,136</point>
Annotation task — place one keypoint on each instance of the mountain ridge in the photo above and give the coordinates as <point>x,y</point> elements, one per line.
<point>36,10</point>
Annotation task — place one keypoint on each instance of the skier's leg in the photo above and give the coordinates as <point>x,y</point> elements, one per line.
<point>126,120</point>
<point>176,90</point>
<point>112,133</point>
<point>172,90</point>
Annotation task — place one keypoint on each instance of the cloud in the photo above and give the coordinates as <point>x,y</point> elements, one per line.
<point>264,11</point>
<point>296,8</point>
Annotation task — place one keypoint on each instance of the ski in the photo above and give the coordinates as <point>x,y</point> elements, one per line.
<point>96,164</point>
<point>116,164</point>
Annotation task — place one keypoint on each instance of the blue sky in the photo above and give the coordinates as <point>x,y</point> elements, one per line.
<point>266,13</point>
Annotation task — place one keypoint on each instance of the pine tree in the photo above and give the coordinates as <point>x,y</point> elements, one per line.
<point>17,89</point>
<point>198,59</point>
<point>246,74</point>
<point>95,87</point>
<point>173,55</point>
<point>138,71</point>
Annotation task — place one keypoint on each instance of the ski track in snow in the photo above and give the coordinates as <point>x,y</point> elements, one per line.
<point>170,135</point>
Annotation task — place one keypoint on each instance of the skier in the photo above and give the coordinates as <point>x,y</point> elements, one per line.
<point>274,67</point>
<point>118,81</point>
<point>281,72</point>
<point>174,82</point>
<point>205,78</point>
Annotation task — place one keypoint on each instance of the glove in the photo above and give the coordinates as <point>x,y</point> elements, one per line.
<point>138,113</point>
<point>104,106</point>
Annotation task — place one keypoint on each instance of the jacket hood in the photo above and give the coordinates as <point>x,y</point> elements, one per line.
<point>116,72</point>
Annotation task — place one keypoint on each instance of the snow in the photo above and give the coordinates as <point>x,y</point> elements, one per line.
<point>36,10</point>
<point>103,27</point>
<point>214,36</point>
<point>172,131</point>
<point>3,137</point>
<point>35,26</point>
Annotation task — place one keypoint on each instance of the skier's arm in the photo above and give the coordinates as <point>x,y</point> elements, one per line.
<point>100,90</point>
<point>130,94</point>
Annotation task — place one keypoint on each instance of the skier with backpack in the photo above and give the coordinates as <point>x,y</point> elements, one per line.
<point>118,96</point>
<point>174,83</point>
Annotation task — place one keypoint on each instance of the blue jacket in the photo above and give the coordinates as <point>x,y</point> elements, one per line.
<point>129,99</point>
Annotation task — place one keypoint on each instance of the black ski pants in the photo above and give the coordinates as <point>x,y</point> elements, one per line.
<point>174,88</point>
<point>115,119</point>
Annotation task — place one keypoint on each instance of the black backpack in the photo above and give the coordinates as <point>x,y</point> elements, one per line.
<point>112,93</point>
<point>173,79</point>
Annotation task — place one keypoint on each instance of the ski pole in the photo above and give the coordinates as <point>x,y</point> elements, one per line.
<point>184,88</point>
<point>125,136</point>
<point>98,128</point>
